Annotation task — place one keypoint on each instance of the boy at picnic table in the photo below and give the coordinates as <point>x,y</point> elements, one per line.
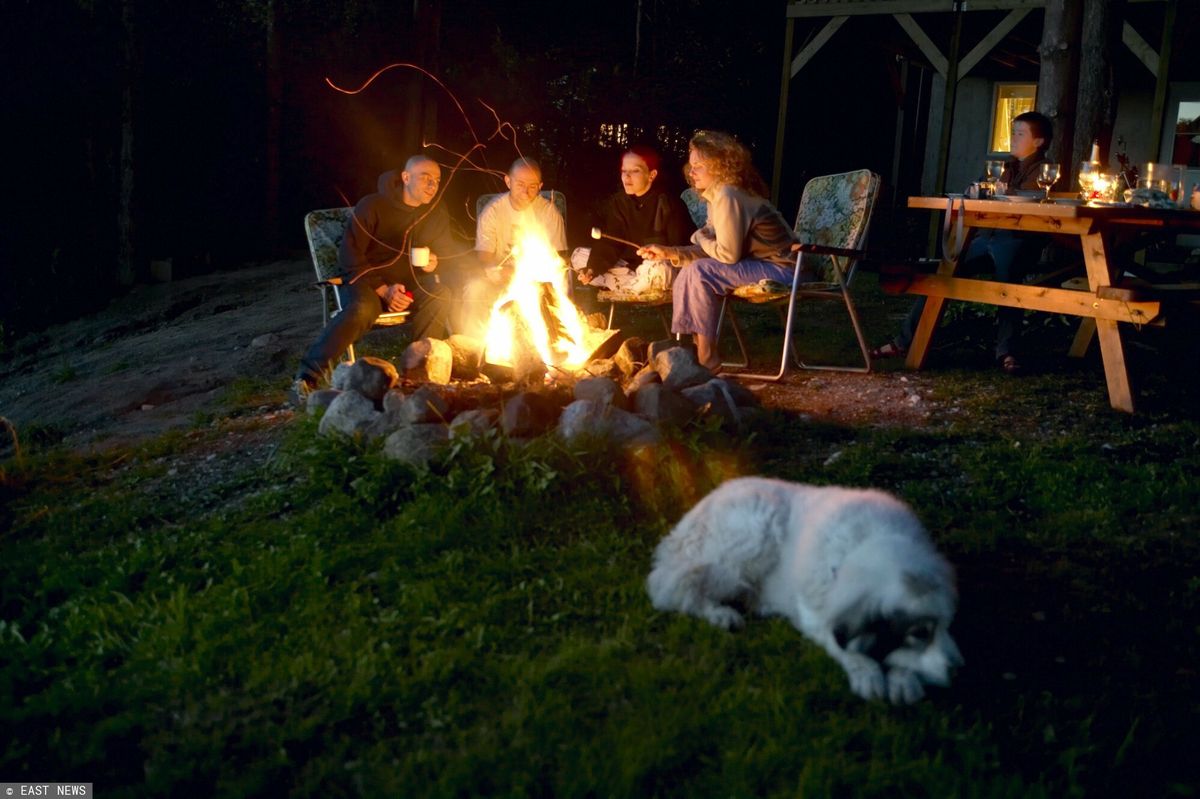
<point>1010,253</point>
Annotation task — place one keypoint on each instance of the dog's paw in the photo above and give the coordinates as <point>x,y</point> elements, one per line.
<point>866,679</point>
<point>904,687</point>
<point>724,617</point>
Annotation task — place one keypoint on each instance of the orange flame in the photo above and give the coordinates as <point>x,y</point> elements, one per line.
<point>538,293</point>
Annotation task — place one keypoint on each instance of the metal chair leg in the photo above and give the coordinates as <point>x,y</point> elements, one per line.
<point>727,310</point>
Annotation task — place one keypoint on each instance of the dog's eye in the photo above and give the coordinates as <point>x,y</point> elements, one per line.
<point>919,634</point>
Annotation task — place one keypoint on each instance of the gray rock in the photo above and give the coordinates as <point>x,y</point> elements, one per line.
<point>429,360</point>
<point>678,369</point>
<point>602,367</point>
<point>643,378</point>
<point>466,354</point>
<point>473,422</point>
<point>600,389</point>
<point>662,345</point>
<point>657,403</point>
<point>715,395</point>
<point>423,406</point>
<point>341,376</point>
<point>371,377</point>
<point>587,418</point>
<point>385,424</point>
<point>349,413</point>
<point>742,396</point>
<point>319,400</point>
<point>265,340</point>
<point>416,444</point>
<point>631,357</point>
<point>393,400</point>
<point>528,414</point>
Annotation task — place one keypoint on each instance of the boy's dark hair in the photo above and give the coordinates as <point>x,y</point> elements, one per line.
<point>1039,125</point>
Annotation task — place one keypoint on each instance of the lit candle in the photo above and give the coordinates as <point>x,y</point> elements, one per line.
<point>1095,159</point>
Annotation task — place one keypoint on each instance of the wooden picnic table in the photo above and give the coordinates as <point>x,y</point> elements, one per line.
<point>1103,306</point>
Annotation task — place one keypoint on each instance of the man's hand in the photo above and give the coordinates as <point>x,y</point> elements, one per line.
<point>585,276</point>
<point>396,299</point>
<point>433,263</point>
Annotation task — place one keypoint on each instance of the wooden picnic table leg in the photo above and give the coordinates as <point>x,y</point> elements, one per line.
<point>931,316</point>
<point>1083,338</point>
<point>1112,350</point>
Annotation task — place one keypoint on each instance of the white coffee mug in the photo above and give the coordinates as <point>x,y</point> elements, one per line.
<point>420,256</point>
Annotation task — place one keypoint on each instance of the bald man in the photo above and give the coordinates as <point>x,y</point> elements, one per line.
<point>376,271</point>
<point>501,224</point>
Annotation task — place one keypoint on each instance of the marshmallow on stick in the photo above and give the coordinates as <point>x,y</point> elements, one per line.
<point>597,234</point>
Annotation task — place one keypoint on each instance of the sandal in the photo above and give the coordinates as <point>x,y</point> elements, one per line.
<point>1009,364</point>
<point>889,350</point>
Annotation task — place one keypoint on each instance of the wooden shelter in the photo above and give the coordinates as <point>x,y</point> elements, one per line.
<point>990,52</point>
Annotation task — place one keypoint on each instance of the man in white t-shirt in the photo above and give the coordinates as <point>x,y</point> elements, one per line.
<point>501,224</point>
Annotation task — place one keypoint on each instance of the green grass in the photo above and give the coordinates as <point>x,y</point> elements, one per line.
<point>350,626</point>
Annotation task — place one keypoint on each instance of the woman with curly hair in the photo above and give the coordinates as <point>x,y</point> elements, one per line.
<point>744,240</point>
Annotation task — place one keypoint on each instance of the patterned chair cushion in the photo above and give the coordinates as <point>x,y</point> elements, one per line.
<point>653,297</point>
<point>325,229</point>
<point>834,211</point>
<point>697,208</point>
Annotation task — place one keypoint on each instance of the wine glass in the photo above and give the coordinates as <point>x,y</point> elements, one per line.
<point>994,170</point>
<point>1047,177</point>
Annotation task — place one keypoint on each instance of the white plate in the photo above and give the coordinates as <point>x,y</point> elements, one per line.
<point>1015,198</point>
<point>1067,201</point>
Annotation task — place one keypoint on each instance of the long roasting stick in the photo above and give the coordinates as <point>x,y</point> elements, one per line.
<point>597,233</point>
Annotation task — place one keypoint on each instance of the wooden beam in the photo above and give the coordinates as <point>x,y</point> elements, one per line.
<point>1144,52</point>
<point>1035,298</point>
<point>818,41</point>
<point>781,122</point>
<point>991,40</point>
<point>1157,114</point>
<point>922,40</point>
<point>853,8</point>
<point>869,7</point>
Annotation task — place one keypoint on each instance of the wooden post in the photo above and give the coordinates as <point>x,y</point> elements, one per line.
<point>1160,84</point>
<point>781,123</point>
<point>947,122</point>
<point>949,99</point>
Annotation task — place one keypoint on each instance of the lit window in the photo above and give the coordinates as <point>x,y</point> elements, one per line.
<point>1010,100</point>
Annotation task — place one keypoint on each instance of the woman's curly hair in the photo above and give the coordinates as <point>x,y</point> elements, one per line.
<point>728,161</point>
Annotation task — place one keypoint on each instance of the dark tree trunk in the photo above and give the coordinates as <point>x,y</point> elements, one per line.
<point>1096,107</point>
<point>1058,79</point>
<point>127,270</point>
<point>420,119</point>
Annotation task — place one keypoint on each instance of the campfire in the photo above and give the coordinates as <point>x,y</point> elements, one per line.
<point>534,325</point>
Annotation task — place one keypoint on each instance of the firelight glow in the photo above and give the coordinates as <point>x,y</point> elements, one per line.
<point>537,290</point>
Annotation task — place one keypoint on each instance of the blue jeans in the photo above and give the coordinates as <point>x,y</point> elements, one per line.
<point>361,306</point>
<point>700,287</point>
<point>1011,256</point>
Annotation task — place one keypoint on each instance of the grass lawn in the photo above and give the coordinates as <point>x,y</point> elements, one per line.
<point>315,620</point>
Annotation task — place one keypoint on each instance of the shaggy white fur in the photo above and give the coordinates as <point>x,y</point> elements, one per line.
<point>852,569</point>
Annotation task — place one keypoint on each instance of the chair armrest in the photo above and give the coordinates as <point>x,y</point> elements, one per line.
<point>821,249</point>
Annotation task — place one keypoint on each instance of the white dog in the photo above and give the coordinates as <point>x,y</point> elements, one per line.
<point>852,569</point>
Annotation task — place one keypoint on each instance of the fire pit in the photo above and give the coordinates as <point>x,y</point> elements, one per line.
<point>534,326</point>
